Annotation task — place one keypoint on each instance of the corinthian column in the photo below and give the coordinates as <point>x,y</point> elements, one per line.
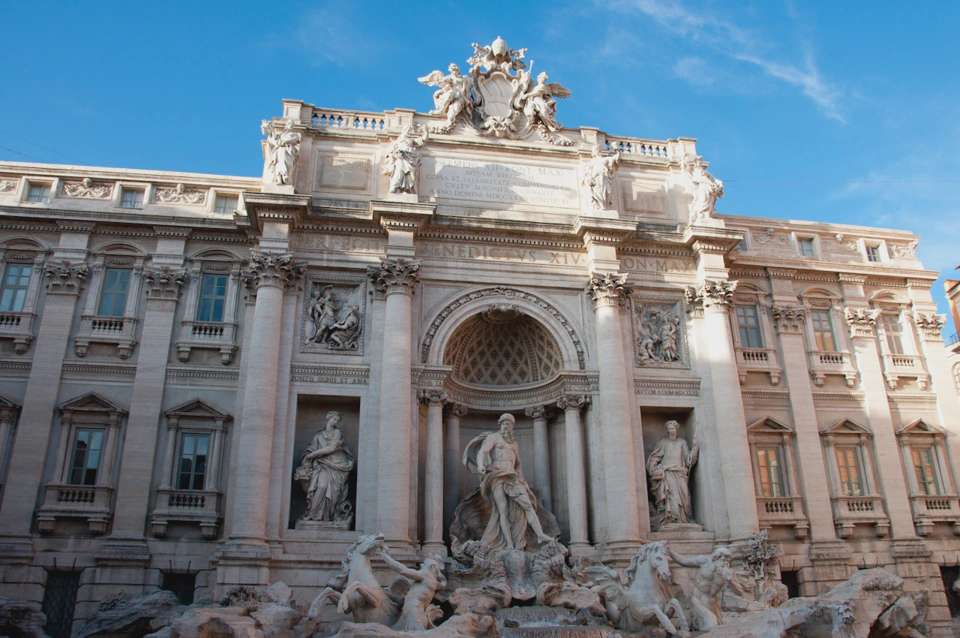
<point>609,293</point>
<point>271,274</point>
<point>433,489</point>
<point>541,452</point>
<point>397,280</point>
<point>451,468</point>
<point>576,476</point>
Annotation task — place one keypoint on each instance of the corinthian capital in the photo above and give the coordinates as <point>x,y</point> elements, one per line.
<point>715,295</point>
<point>539,412</point>
<point>861,321</point>
<point>432,396</point>
<point>788,318</point>
<point>930,325</point>
<point>164,283</point>
<point>65,277</point>
<point>610,289</point>
<point>573,401</point>
<point>395,275</point>
<point>275,269</point>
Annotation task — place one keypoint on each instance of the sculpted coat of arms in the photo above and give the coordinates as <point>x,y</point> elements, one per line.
<point>499,96</point>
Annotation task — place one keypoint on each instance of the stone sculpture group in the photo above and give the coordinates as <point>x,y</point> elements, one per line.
<point>331,322</point>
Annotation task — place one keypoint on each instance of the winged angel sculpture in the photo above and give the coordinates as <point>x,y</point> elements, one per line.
<point>498,96</point>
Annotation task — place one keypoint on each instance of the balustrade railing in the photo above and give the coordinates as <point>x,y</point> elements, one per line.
<point>359,121</point>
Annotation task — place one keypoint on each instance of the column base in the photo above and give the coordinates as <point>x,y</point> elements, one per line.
<point>620,552</point>
<point>16,550</point>
<point>581,549</point>
<point>242,562</point>
<point>830,566</point>
<point>433,548</point>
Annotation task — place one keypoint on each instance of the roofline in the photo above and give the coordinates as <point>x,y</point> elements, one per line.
<point>34,168</point>
<point>773,221</point>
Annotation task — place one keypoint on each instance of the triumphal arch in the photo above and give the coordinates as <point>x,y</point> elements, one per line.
<point>472,330</point>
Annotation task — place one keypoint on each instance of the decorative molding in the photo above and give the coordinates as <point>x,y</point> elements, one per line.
<point>776,395</point>
<point>900,397</point>
<point>610,289</point>
<point>15,365</point>
<point>667,387</point>
<point>851,278</point>
<point>65,278</point>
<point>838,245</point>
<point>340,375</point>
<point>274,269</point>
<point>782,273</point>
<point>164,283</point>
<point>509,293</point>
<point>859,397</point>
<point>395,275</point>
<point>904,251</point>
<point>87,188</point>
<point>181,194</point>
<point>788,319</point>
<point>82,368</point>
<point>930,325</point>
<point>710,294</point>
<point>226,374</point>
<point>861,321</point>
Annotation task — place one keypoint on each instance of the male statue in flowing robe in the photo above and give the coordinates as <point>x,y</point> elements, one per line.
<point>496,458</point>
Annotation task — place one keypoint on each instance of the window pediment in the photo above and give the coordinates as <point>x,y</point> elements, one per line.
<point>846,426</point>
<point>919,426</point>
<point>91,403</point>
<point>769,424</point>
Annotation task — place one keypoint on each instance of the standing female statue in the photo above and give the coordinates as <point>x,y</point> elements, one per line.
<point>323,472</point>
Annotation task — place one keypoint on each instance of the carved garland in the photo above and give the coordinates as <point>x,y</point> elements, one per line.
<point>501,291</point>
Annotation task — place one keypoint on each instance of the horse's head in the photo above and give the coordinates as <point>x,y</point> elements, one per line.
<point>654,557</point>
<point>367,545</point>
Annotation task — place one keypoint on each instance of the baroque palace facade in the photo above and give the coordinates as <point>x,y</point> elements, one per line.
<point>179,352</point>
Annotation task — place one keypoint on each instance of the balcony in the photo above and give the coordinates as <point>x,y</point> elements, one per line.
<point>896,366</point>
<point>758,360</point>
<point>186,506</point>
<point>824,362</point>
<point>786,510</point>
<point>928,510</point>
<point>119,331</point>
<point>91,502</point>
<point>849,511</point>
<point>207,335</point>
<point>17,326</point>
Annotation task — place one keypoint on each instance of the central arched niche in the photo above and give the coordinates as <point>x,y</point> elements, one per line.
<point>501,346</point>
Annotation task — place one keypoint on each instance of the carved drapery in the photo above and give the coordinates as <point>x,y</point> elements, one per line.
<point>395,275</point>
<point>164,283</point>
<point>181,194</point>
<point>274,269</point>
<point>930,325</point>
<point>88,188</point>
<point>711,295</point>
<point>610,289</point>
<point>861,321</point>
<point>65,277</point>
<point>788,318</point>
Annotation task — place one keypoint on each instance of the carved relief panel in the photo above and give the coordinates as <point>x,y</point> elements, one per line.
<point>658,333</point>
<point>333,314</point>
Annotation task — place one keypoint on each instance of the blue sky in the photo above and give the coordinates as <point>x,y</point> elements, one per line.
<point>830,111</point>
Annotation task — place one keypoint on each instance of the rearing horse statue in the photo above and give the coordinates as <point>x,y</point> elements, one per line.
<point>647,595</point>
<point>361,593</point>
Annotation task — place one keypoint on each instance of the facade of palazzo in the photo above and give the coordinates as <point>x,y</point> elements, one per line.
<point>190,364</point>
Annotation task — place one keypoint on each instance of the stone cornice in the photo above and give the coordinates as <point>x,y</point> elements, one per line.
<point>399,215</point>
<point>275,207</point>
<point>707,239</point>
<point>609,232</point>
<point>781,273</point>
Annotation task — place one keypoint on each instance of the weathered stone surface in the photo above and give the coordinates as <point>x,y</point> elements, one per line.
<point>18,618</point>
<point>772,623</point>
<point>131,617</point>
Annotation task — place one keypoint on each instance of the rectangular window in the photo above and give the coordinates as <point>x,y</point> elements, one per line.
<point>193,461</point>
<point>85,463</point>
<point>13,288</point>
<point>38,193</point>
<point>59,601</point>
<point>924,465</point>
<point>849,468</point>
<point>873,253</point>
<point>213,296</point>
<point>226,204</point>
<point>806,247</point>
<point>748,320</point>
<point>891,330</point>
<point>131,199</point>
<point>771,472</point>
<point>823,331</point>
<point>113,296</point>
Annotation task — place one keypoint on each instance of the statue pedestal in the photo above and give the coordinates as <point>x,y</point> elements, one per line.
<point>681,532</point>
<point>406,198</point>
<point>324,525</point>
<point>277,189</point>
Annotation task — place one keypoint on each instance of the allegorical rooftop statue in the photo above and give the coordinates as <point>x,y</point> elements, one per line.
<point>281,153</point>
<point>704,187</point>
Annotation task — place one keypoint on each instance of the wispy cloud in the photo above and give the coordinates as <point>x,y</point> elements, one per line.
<point>717,35</point>
<point>327,34</point>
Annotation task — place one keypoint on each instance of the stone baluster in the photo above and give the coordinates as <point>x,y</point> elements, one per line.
<point>271,274</point>
<point>397,279</point>
<point>433,488</point>
<point>452,465</point>
<point>541,452</point>
<point>576,474</point>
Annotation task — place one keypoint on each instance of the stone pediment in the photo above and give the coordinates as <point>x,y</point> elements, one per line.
<point>91,402</point>
<point>768,424</point>
<point>197,409</point>
<point>846,426</point>
<point>919,426</point>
